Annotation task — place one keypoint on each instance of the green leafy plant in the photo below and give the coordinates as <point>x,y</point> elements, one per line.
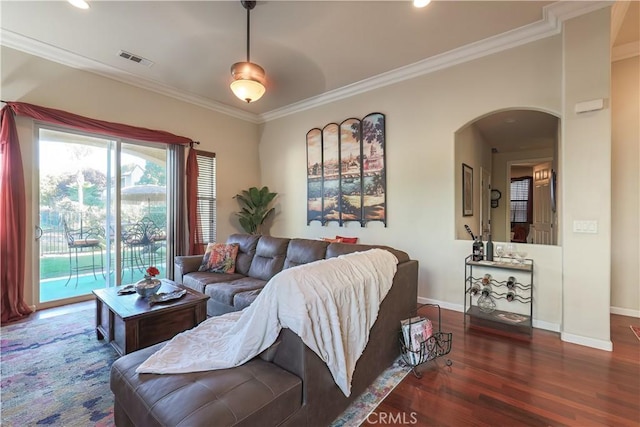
<point>255,208</point>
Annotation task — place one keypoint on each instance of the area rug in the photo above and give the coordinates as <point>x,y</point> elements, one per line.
<point>55,372</point>
<point>636,331</point>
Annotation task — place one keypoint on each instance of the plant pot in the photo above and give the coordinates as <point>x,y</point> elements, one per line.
<point>148,286</point>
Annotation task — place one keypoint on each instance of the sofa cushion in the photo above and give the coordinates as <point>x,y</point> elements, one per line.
<point>256,393</point>
<point>225,292</point>
<point>220,258</point>
<point>243,300</point>
<point>269,258</point>
<point>304,251</point>
<point>200,280</point>
<point>246,250</point>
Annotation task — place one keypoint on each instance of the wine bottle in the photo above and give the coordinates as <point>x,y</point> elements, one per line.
<point>477,249</point>
<point>489,252</point>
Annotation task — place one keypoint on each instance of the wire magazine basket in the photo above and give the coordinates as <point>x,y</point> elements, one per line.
<point>416,350</point>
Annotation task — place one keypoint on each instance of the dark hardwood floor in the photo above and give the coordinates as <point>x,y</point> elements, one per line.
<point>498,381</point>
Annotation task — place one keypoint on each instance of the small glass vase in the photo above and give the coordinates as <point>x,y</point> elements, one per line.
<point>148,286</point>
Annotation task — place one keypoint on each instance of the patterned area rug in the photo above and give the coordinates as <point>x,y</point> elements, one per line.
<point>55,372</point>
<point>364,405</point>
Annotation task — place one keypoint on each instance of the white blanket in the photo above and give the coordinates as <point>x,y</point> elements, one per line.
<point>331,304</point>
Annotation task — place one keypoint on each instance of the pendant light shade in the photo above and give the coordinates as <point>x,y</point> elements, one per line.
<point>248,81</point>
<point>248,78</point>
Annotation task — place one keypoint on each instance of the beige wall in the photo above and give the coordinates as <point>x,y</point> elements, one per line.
<point>586,180</point>
<point>472,150</point>
<point>30,79</point>
<point>423,115</point>
<point>625,187</point>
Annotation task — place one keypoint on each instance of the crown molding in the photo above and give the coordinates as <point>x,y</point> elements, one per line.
<point>553,16</point>
<point>625,51</point>
<point>64,57</point>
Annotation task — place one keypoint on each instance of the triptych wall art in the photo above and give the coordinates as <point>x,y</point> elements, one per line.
<point>346,175</point>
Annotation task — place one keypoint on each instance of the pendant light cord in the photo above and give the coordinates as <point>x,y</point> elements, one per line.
<point>248,35</point>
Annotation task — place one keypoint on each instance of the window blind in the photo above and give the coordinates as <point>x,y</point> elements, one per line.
<point>520,191</point>
<point>206,204</point>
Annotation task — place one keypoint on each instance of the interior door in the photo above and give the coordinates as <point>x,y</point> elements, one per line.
<point>542,226</point>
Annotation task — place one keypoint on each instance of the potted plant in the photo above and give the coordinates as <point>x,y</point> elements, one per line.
<point>255,208</point>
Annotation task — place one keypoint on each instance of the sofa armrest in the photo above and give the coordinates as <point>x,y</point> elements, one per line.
<point>185,264</point>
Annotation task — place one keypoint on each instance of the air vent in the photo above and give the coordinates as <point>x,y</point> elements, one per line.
<point>135,58</point>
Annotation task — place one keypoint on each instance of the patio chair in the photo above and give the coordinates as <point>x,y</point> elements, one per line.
<point>140,242</point>
<point>81,240</point>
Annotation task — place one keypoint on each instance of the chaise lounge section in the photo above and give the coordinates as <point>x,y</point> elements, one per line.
<point>288,384</point>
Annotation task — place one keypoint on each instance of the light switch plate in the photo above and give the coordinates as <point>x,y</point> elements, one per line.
<point>585,226</point>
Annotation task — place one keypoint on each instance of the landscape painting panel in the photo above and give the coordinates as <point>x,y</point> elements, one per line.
<point>331,174</point>
<point>314,175</point>
<point>350,171</point>
<point>373,166</point>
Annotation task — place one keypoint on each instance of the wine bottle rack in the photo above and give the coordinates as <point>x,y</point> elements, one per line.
<point>501,298</point>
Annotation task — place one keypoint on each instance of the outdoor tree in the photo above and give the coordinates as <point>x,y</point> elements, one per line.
<point>154,174</point>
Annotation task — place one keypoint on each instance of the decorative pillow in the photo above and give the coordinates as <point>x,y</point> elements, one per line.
<point>220,258</point>
<point>330,240</point>
<point>347,239</point>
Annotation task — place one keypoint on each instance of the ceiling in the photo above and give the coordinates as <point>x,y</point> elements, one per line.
<point>312,51</point>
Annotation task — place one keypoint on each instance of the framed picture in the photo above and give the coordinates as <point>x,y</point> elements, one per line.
<point>467,190</point>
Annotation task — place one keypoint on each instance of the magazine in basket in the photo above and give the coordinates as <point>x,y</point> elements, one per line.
<point>416,331</point>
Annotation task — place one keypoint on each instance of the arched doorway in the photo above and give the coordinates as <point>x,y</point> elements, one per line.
<point>514,157</point>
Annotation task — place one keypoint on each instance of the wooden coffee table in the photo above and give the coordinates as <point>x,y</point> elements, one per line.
<point>130,323</point>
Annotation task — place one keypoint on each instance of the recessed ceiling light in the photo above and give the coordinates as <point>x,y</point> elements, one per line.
<point>421,3</point>
<point>80,4</point>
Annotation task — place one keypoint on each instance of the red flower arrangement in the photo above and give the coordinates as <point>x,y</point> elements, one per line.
<point>152,271</point>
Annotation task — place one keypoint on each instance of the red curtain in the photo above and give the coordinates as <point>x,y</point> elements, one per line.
<point>12,189</point>
<point>12,223</point>
<point>63,118</point>
<point>195,247</point>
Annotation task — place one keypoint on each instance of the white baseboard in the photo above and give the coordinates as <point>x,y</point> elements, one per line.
<point>540,324</point>
<point>624,311</point>
<point>587,342</point>
<point>547,326</point>
<point>442,304</point>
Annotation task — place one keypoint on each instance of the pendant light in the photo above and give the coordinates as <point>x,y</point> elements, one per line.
<point>248,78</point>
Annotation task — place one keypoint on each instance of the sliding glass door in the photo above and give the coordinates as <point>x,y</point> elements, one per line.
<point>102,212</point>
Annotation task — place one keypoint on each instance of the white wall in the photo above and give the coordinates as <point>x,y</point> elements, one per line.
<point>422,116</point>
<point>625,187</point>
<point>30,79</point>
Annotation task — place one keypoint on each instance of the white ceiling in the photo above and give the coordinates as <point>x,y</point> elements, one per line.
<point>312,51</point>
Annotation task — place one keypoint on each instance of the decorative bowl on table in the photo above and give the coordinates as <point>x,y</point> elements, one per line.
<point>148,287</point>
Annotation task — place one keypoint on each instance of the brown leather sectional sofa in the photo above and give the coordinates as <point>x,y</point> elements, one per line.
<point>288,384</point>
